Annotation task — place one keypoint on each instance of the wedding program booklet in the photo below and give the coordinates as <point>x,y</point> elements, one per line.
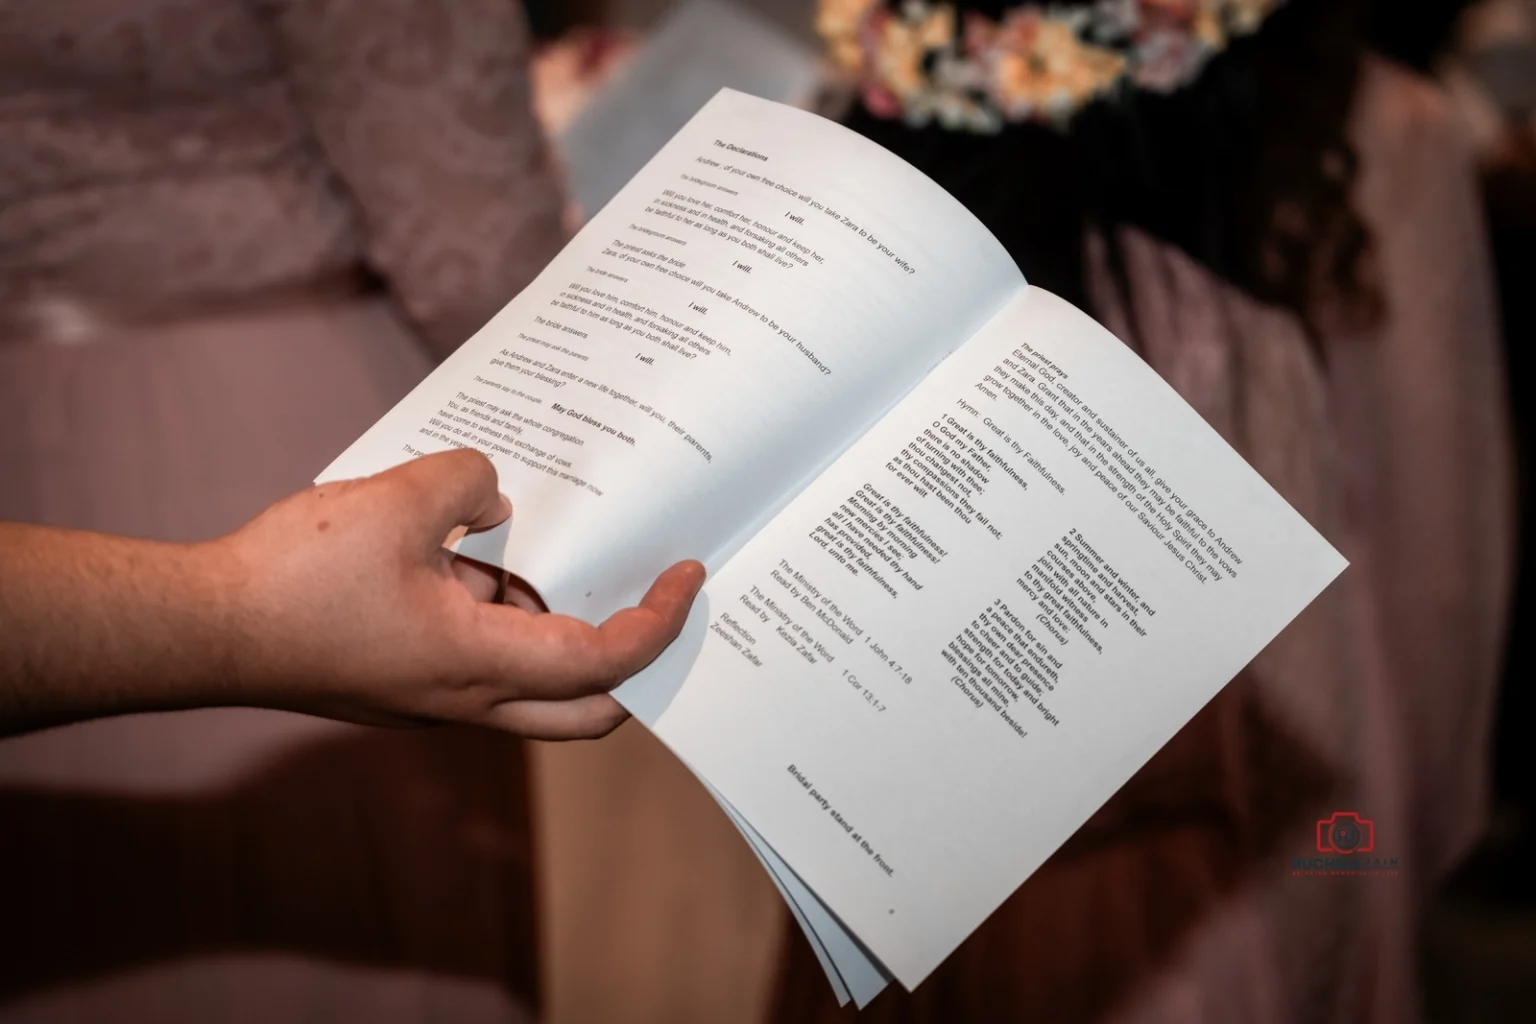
<point>971,561</point>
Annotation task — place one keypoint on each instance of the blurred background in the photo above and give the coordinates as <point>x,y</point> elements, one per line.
<point>232,234</point>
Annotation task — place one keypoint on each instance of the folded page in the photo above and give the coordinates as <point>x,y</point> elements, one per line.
<point>854,974</point>
<point>747,305</point>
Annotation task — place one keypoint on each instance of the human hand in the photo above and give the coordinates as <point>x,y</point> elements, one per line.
<point>351,608</point>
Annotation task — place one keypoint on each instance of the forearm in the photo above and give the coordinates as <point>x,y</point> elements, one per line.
<point>337,601</point>
<point>92,625</point>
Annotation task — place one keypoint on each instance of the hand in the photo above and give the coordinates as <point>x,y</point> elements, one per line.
<point>351,608</point>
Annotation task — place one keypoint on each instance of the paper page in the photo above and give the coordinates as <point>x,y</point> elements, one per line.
<point>756,296</point>
<point>849,967</point>
<point>839,988</point>
<point>959,641</point>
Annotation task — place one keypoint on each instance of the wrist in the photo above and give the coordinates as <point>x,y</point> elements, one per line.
<point>210,596</point>
<point>266,648</point>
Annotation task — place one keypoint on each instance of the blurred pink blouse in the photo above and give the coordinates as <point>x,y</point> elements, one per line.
<point>232,234</point>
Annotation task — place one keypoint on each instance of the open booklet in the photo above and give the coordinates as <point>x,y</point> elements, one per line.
<point>971,561</point>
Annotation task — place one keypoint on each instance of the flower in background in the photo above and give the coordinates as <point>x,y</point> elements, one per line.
<point>1243,17</point>
<point>1168,60</point>
<point>915,70</point>
<point>839,22</point>
<point>1041,62</point>
<point>1116,19</point>
<point>1040,67</point>
<point>905,46</point>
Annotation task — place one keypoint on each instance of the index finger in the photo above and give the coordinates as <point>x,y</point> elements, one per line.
<point>557,657</point>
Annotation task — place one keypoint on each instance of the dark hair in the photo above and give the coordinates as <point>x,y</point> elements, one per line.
<point>1249,170</point>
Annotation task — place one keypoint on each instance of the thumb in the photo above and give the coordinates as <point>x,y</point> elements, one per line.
<point>452,489</point>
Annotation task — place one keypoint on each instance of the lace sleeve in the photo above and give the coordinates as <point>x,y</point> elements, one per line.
<point>423,109</point>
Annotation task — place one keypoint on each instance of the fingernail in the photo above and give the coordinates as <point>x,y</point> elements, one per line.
<point>506,506</point>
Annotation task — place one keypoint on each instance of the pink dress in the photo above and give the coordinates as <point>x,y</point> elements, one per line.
<point>1183,902</point>
<point>189,194</point>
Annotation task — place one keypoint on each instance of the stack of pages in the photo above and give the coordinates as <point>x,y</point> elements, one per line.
<point>971,561</point>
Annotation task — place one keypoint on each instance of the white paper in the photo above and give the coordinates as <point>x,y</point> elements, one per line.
<point>853,973</point>
<point>618,467</point>
<point>829,711</point>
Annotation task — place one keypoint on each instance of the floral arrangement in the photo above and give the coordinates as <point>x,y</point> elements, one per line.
<point>926,63</point>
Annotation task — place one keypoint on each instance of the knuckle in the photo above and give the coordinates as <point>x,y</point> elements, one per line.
<point>475,466</point>
<point>412,488</point>
<point>581,648</point>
